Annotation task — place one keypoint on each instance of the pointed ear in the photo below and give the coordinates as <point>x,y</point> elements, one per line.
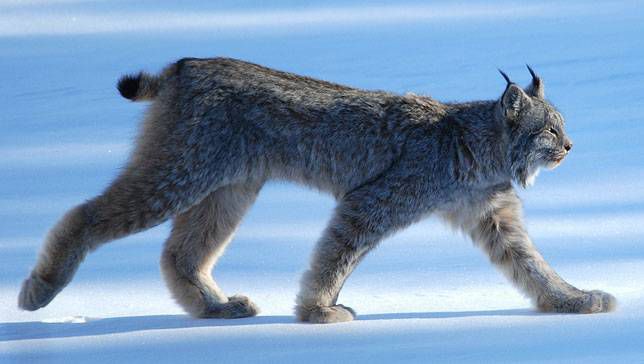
<point>536,87</point>
<point>513,100</point>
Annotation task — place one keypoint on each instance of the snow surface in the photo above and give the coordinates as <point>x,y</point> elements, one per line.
<point>425,295</point>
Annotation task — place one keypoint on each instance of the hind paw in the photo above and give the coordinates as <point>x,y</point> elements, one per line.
<point>238,306</point>
<point>36,293</point>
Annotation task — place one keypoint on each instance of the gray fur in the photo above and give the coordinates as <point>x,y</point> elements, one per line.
<point>218,129</point>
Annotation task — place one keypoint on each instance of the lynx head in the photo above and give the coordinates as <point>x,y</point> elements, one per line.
<point>535,128</point>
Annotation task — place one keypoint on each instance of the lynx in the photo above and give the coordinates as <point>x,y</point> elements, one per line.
<point>218,129</point>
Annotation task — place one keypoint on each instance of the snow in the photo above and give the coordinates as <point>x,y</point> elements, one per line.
<point>96,20</point>
<point>425,295</point>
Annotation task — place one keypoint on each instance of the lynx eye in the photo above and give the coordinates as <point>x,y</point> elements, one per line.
<point>553,132</point>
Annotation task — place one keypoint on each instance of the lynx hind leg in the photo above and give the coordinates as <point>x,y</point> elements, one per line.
<point>140,198</point>
<point>171,169</point>
<point>64,249</point>
<point>199,237</point>
<point>122,210</point>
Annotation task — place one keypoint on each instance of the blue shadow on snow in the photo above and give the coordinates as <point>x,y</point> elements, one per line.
<point>115,325</point>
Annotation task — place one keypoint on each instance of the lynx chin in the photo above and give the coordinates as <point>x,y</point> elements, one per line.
<point>218,129</point>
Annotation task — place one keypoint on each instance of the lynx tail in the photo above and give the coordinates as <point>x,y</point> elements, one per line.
<point>139,87</point>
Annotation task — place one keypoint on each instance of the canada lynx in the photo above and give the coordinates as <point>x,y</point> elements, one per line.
<point>218,129</point>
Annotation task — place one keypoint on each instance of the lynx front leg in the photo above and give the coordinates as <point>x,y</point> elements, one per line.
<point>503,237</point>
<point>338,252</point>
<point>362,219</point>
<point>199,237</point>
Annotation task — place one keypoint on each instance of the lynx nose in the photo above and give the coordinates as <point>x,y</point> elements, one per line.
<point>568,146</point>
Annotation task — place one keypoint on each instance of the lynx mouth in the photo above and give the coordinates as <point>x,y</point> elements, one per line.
<point>554,163</point>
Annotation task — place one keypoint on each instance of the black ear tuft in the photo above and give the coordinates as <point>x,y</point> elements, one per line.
<point>532,73</point>
<point>536,86</point>
<point>507,78</point>
<point>128,86</point>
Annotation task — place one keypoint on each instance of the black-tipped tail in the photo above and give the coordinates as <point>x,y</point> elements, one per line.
<point>139,87</point>
<point>129,85</point>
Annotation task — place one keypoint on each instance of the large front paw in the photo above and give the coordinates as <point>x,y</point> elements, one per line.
<point>237,307</point>
<point>325,315</point>
<point>582,302</point>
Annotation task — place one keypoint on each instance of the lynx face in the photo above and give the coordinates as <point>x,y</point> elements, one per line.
<point>536,131</point>
<point>550,142</point>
